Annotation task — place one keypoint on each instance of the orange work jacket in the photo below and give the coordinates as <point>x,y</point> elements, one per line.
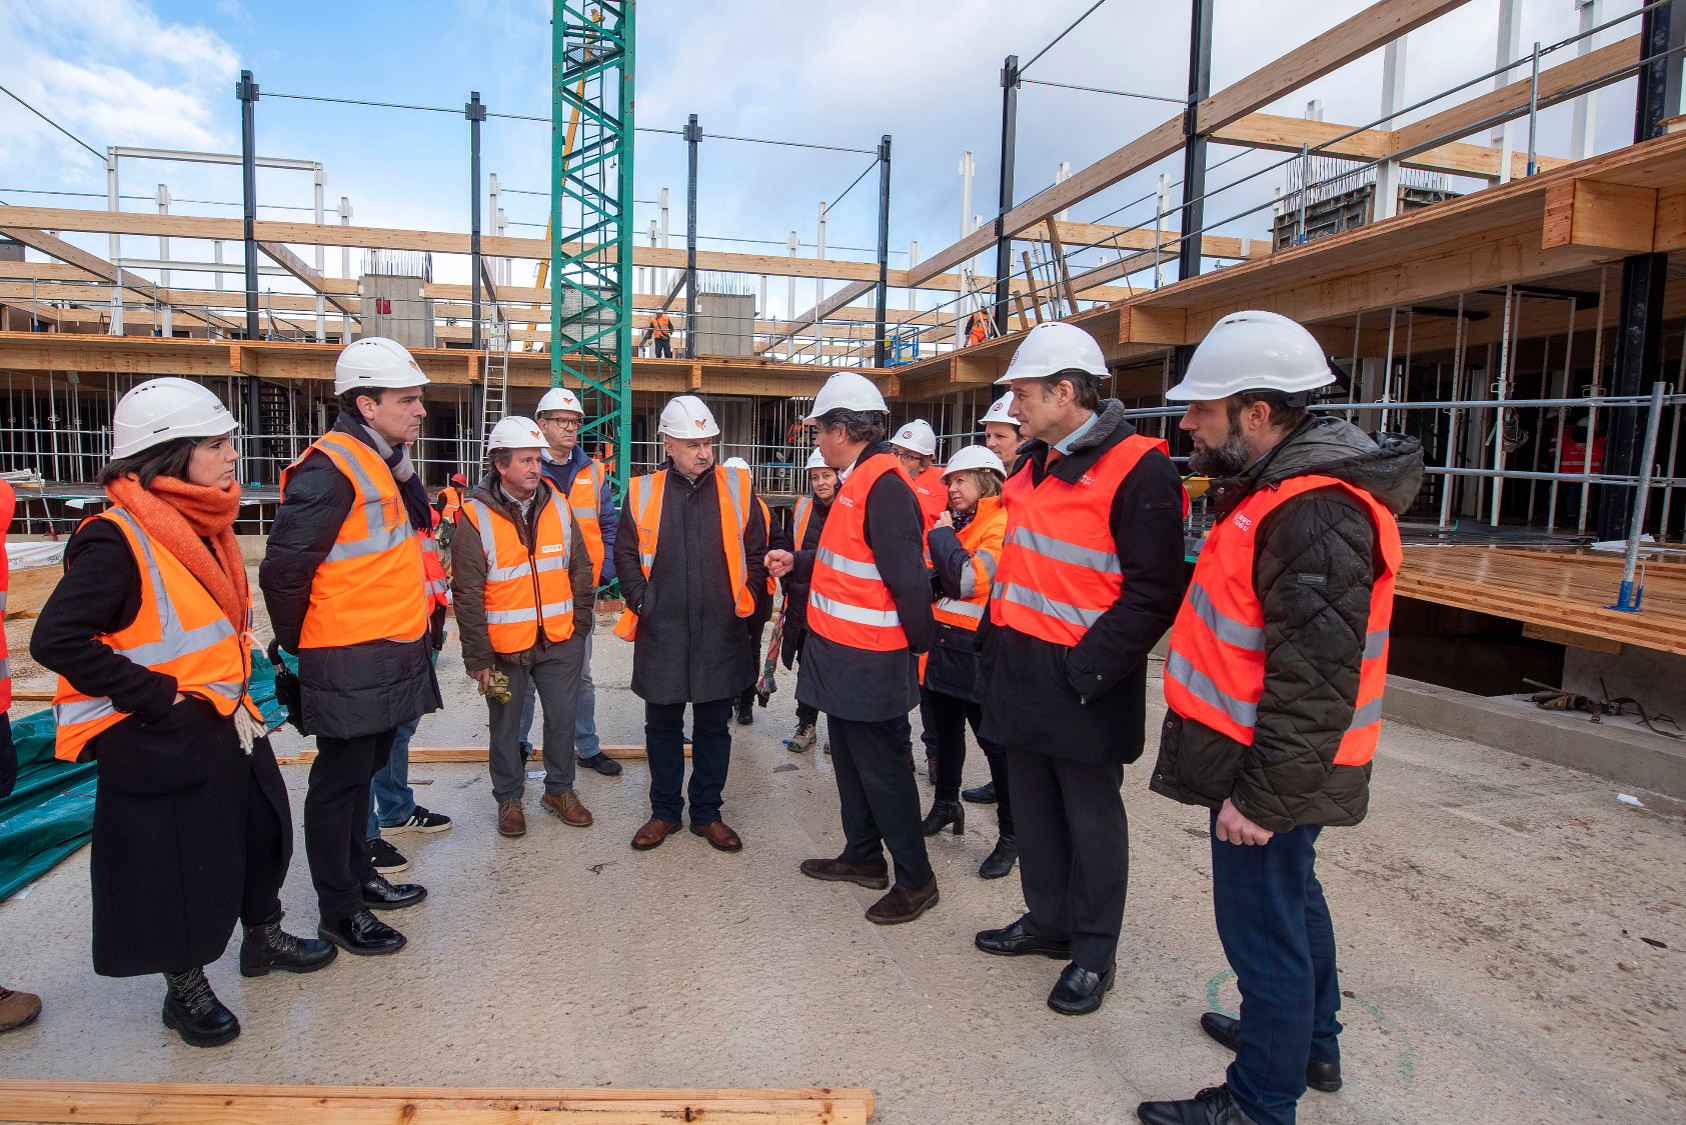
<point>977,330</point>
<point>982,538</point>
<point>660,327</point>
<point>372,585</point>
<point>438,587</point>
<point>179,630</point>
<point>525,586</point>
<point>583,492</point>
<point>848,601</point>
<point>452,496</point>
<point>1059,568</point>
<point>932,495</point>
<point>735,491</point>
<point>1215,669</point>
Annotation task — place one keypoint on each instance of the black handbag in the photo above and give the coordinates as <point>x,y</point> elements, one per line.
<point>286,687</point>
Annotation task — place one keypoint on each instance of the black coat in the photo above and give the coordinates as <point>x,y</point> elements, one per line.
<point>691,646</point>
<point>951,667</point>
<point>169,845</point>
<point>796,589</point>
<point>348,690</point>
<point>1088,702</point>
<point>1314,636</point>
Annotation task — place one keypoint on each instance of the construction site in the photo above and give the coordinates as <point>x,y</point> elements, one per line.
<point>1486,270</point>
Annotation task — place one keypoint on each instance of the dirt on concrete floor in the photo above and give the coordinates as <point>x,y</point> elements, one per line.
<point>1490,914</point>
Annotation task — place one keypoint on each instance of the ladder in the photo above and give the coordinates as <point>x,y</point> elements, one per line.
<point>495,396</point>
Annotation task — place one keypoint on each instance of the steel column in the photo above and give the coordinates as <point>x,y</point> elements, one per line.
<point>693,137</point>
<point>878,345</point>
<point>476,113</point>
<point>1004,240</point>
<point>247,91</point>
<point>1194,143</point>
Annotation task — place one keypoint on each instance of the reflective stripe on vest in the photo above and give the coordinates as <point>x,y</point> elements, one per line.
<point>453,502</point>
<point>644,495</point>
<point>179,630</point>
<point>583,493</point>
<point>1215,667</point>
<point>433,570</point>
<point>981,538</point>
<point>521,585</point>
<point>373,585</point>
<point>1059,569</point>
<point>848,601</point>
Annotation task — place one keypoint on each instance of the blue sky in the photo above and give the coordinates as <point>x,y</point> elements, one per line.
<point>161,74</point>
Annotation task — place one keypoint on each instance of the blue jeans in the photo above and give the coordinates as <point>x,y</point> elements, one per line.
<point>1276,932</point>
<point>390,788</point>
<point>586,742</point>
<point>711,756</point>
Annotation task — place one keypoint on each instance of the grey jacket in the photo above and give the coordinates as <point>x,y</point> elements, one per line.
<point>468,575</point>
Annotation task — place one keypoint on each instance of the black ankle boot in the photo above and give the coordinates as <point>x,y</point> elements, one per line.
<point>268,948</point>
<point>195,1013</point>
<point>945,813</point>
<point>1001,860</point>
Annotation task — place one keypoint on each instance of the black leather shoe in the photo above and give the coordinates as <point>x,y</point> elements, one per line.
<point>602,763</point>
<point>362,934</point>
<point>1012,941</point>
<point>1211,1106</point>
<point>943,814</point>
<point>1001,860</point>
<point>378,894</point>
<point>268,948</point>
<point>1079,992</point>
<point>193,1011</point>
<point>746,712</point>
<point>982,795</point>
<point>1325,1076</point>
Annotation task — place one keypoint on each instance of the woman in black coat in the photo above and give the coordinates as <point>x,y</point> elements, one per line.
<point>192,828</point>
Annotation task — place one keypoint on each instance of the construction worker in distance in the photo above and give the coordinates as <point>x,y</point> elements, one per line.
<point>689,553</point>
<point>1001,431</point>
<point>449,502</point>
<point>869,618</point>
<point>964,548</point>
<point>524,589</point>
<point>1274,681</point>
<point>807,524</point>
<point>1090,575</point>
<point>757,621</point>
<point>916,448</point>
<point>345,585</point>
<point>149,630</point>
<point>660,335</point>
<point>978,328</point>
<point>585,482</point>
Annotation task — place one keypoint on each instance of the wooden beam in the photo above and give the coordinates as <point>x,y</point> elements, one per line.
<point>297,266</point>
<point>1147,325</point>
<point>1616,217</point>
<point>1287,134</point>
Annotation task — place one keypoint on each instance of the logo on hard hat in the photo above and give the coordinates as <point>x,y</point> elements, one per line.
<point>701,425</point>
<point>907,433</point>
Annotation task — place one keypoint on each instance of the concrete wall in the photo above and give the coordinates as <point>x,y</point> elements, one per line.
<point>1656,679</point>
<point>725,324</point>
<point>407,318</point>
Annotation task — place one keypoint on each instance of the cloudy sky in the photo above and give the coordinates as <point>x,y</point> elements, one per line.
<point>161,73</point>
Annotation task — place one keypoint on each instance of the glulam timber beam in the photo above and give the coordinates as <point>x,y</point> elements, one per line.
<point>301,270</point>
<point>1287,134</point>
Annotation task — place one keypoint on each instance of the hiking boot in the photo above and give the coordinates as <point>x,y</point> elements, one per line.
<point>803,740</point>
<point>193,1011</point>
<point>566,805</point>
<point>268,948</point>
<point>512,821</point>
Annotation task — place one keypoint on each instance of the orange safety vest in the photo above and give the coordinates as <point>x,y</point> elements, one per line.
<point>1059,568</point>
<point>433,568</point>
<point>932,495</point>
<point>453,502</point>
<point>372,585</point>
<point>179,630</point>
<point>1215,669</point>
<point>767,523</point>
<point>645,496</point>
<point>8,504</point>
<point>524,586</point>
<point>982,538</point>
<point>660,327</point>
<point>978,330</point>
<point>583,492</point>
<point>848,601</point>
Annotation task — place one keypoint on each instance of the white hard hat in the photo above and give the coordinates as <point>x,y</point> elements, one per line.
<point>1053,348</point>
<point>1253,351</point>
<point>997,411</point>
<point>735,463</point>
<point>161,410</point>
<point>815,461</point>
<point>687,417</point>
<point>918,436</point>
<point>846,391</point>
<point>375,361</point>
<point>515,433</point>
<point>560,398</point>
<point>974,457</point>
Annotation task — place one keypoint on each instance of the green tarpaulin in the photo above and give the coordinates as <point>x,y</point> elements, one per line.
<point>51,811</point>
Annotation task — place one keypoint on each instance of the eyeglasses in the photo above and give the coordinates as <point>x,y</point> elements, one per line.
<point>565,423</point>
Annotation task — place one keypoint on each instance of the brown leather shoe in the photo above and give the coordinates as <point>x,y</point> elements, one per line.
<point>653,833</point>
<point>17,1008</point>
<point>511,820</point>
<point>902,905</point>
<point>872,876</point>
<point>718,834</point>
<point>567,806</point>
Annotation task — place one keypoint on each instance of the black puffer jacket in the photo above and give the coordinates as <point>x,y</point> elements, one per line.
<point>1315,563</point>
<point>795,589</point>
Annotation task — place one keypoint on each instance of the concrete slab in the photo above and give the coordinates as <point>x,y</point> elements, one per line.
<point>1489,915</point>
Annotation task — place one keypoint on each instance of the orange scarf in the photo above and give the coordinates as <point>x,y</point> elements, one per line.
<point>177,514</point>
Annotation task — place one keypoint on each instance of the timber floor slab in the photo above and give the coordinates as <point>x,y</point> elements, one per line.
<point>1564,591</point>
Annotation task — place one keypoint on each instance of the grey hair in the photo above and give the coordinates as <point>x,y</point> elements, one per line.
<point>857,425</point>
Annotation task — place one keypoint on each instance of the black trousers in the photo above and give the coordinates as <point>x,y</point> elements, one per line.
<point>879,797</point>
<point>663,347</point>
<point>1074,852</point>
<point>949,716</point>
<point>806,714</point>
<point>711,757</point>
<point>336,819</point>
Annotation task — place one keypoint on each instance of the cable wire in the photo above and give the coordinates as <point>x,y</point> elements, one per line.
<point>851,187</point>
<point>1098,90</point>
<point>53,123</point>
<point>1061,35</point>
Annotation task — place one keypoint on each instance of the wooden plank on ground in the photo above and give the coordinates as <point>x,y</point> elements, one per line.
<point>143,1103</point>
<point>473,754</point>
